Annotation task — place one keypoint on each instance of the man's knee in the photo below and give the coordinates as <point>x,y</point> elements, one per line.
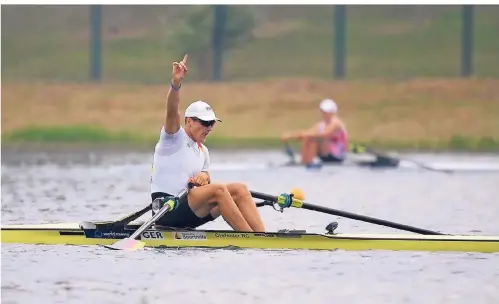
<point>237,189</point>
<point>218,190</point>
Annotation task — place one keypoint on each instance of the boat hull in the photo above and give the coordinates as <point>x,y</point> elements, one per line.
<point>73,234</point>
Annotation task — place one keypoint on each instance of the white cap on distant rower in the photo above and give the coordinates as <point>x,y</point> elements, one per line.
<point>201,110</point>
<point>328,106</point>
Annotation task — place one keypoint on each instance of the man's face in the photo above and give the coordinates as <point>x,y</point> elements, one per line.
<point>200,129</point>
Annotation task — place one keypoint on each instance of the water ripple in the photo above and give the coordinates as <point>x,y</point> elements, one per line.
<point>62,187</point>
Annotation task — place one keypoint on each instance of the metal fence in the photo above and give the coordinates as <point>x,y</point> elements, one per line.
<point>237,43</point>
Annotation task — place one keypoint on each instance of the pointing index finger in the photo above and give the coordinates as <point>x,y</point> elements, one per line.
<point>185,59</point>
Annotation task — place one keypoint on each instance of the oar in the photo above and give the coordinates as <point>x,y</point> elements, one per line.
<point>131,243</point>
<point>357,148</point>
<point>284,203</point>
<point>121,223</point>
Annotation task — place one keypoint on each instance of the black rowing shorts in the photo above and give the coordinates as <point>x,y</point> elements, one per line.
<point>182,217</point>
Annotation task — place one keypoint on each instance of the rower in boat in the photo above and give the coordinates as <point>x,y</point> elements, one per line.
<point>327,139</point>
<point>180,157</point>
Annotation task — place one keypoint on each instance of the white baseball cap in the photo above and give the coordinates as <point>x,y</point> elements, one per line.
<point>328,106</point>
<point>201,110</point>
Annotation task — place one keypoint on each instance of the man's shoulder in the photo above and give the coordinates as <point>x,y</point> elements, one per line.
<point>173,139</point>
<point>180,132</point>
<point>163,131</point>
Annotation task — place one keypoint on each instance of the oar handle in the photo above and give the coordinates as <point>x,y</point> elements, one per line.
<point>300,204</point>
<point>166,208</point>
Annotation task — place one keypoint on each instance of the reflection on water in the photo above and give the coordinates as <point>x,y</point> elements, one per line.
<point>78,185</point>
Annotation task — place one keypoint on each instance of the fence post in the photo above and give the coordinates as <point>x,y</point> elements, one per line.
<point>339,41</point>
<point>467,41</point>
<point>95,43</point>
<point>219,17</point>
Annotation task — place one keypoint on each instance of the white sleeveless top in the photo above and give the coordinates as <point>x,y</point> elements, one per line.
<point>176,158</point>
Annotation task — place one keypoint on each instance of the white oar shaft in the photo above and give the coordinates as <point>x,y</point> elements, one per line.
<point>169,206</point>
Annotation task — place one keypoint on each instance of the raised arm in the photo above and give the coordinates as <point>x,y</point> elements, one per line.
<point>172,117</point>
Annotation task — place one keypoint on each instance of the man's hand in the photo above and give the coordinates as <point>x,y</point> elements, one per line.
<point>179,71</point>
<point>200,179</point>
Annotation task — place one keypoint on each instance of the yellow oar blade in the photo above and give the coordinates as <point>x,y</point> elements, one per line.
<point>127,244</point>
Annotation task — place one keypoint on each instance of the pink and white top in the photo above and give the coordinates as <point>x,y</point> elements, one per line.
<point>337,143</point>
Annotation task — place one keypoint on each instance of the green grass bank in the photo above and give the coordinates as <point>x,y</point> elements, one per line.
<point>429,114</point>
<point>93,136</point>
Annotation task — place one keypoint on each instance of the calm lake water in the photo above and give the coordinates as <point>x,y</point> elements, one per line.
<point>42,187</point>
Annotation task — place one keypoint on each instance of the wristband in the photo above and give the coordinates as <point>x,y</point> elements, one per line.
<point>174,87</point>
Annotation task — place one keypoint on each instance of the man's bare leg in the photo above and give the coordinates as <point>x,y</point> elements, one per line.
<point>246,205</point>
<point>205,198</point>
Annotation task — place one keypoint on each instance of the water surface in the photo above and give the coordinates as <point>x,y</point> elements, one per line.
<point>72,186</point>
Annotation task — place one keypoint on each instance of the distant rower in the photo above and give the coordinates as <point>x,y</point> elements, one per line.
<point>327,139</point>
